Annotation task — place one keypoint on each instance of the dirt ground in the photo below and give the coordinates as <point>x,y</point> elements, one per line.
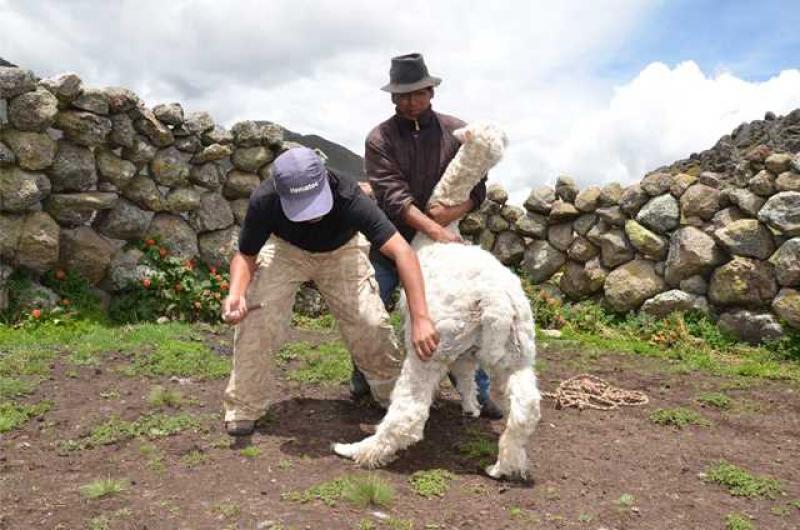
<point>593,470</point>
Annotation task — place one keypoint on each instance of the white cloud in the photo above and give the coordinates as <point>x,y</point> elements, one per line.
<point>316,66</point>
<point>662,115</point>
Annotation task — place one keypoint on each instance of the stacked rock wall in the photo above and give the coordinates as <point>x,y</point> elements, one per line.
<point>694,240</point>
<point>83,171</point>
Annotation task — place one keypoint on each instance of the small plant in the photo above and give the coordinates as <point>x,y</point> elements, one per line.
<point>103,488</point>
<point>160,396</point>
<point>735,521</point>
<point>515,512</point>
<point>101,522</point>
<point>399,524</point>
<point>369,490</point>
<point>678,417</point>
<point>154,459</point>
<point>740,483</point>
<point>715,399</point>
<point>194,458</point>
<point>228,510</point>
<point>285,464</point>
<point>430,483</point>
<point>626,500</point>
<point>366,524</point>
<point>251,451</point>
<point>327,492</point>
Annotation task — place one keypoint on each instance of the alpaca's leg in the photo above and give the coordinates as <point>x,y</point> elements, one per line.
<point>405,420</point>
<point>463,371</point>
<point>523,414</point>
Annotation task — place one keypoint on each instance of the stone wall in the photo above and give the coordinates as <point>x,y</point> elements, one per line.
<point>695,240</point>
<point>83,171</point>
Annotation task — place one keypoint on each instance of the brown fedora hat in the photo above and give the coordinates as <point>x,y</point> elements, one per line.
<point>409,73</point>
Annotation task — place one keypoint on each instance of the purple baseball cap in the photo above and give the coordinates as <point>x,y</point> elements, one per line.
<point>301,181</point>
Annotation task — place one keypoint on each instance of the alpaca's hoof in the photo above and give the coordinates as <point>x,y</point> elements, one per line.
<point>345,450</point>
<point>519,475</point>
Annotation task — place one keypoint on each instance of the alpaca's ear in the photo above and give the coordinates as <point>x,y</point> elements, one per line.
<point>468,136</point>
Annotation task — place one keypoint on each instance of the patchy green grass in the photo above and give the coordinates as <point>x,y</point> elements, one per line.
<point>194,458</point>
<point>431,482</point>
<point>228,510</point>
<point>689,342</point>
<point>369,490</point>
<point>14,415</point>
<point>678,417</point>
<point>479,448</point>
<point>626,500</point>
<point>716,400</point>
<point>326,364</point>
<point>13,387</point>
<point>180,358</point>
<point>105,487</point>
<point>741,483</point>
<point>325,322</point>
<point>161,397</point>
<point>394,523</point>
<point>151,426</point>
<point>251,451</point>
<point>737,521</point>
<point>327,492</point>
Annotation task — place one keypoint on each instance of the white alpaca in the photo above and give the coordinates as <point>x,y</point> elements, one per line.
<point>482,316</point>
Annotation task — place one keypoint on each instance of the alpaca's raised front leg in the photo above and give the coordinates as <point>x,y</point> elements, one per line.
<point>405,420</point>
<point>463,371</point>
<point>523,414</point>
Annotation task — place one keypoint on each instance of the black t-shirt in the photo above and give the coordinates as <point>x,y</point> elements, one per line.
<point>352,212</point>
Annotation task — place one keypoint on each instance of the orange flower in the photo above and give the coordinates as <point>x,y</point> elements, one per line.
<point>60,275</point>
<point>150,242</point>
<point>66,302</point>
<point>223,286</point>
<point>162,252</point>
<point>212,270</point>
<point>147,283</point>
<point>36,313</point>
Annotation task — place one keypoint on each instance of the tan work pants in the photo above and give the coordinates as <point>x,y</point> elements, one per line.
<point>345,279</point>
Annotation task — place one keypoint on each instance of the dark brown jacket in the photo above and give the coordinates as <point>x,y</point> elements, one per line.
<point>403,168</point>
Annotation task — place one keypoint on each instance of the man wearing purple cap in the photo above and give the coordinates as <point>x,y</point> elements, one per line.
<point>303,225</point>
<point>405,158</point>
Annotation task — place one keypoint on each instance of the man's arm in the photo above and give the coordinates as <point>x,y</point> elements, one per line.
<point>423,332</point>
<point>243,267</point>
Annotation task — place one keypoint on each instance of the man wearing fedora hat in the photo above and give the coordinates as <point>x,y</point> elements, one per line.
<point>306,223</point>
<point>405,158</point>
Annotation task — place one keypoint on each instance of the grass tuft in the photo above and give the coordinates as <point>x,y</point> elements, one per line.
<point>740,483</point>
<point>327,492</point>
<point>370,490</point>
<point>160,396</point>
<point>251,451</point>
<point>106,487</point>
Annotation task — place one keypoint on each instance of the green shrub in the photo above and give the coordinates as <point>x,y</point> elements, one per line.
<point>177,288</point>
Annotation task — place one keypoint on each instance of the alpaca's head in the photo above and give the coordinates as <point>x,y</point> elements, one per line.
<point>485,136</point>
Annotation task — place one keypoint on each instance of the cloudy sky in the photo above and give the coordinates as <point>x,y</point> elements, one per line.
<point>601,90</point>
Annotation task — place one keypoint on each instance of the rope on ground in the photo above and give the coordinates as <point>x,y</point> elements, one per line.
<point>588,391</point>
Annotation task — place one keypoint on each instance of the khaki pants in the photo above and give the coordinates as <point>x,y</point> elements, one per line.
<point>346,280</point>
